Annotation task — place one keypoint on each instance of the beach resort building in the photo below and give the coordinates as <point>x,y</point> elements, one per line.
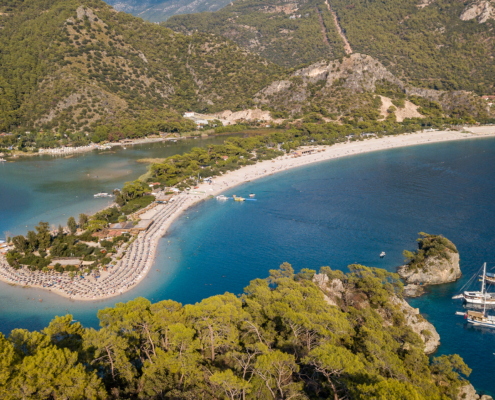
<point>129,227</point>
<point>164,199</point>
<point>5,247</point>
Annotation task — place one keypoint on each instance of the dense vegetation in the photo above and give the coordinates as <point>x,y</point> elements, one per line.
<point>429,246</point>
<point>210,161</point>
<point>87,74</point>
<point>279,340</point>
<point>82,66</point>
<point>426,47</point>
<point>267,28</point>
<point>38,249</point>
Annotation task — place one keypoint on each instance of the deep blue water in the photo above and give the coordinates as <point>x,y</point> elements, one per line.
<point>334,213</point>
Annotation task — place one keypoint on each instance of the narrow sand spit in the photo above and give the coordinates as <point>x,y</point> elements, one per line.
<point>139,257</point>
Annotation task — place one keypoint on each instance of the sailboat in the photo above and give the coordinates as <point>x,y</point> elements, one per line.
<point>477,318</point>
<point>476,297</point>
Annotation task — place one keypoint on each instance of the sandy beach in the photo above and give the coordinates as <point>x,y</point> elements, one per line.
<point>139,256</point>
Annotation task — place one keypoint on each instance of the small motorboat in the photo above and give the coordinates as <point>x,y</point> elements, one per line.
<point>222,197</point>
<point>382,254</point>
<point>252,195</point>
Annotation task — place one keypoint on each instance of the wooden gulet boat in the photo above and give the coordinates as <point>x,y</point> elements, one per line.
<point>477,318</point>
<point>478,297</point>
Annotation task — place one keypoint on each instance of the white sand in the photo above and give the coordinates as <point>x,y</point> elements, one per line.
<point>284,163</point>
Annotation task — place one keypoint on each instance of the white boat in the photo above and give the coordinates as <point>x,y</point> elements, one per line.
<point>101,195</point>
<point>478,297</point>
<point>252,195</point>
<point>479,318</point>
<point>2,160</point>
<point>382,254</point>
<point>222,197</point>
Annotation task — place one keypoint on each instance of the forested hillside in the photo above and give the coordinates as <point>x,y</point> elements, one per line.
<point>358,87</point>
<point>426,44</point>
<point>72,73</point>
<point>282,339</point>
<point>286,33</point>
<point>70,66</point>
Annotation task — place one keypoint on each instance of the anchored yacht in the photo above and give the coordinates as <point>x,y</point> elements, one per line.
<point>478,297</point>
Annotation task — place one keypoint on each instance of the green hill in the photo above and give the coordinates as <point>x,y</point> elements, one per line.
<point>71,66</point>
<point>86,72</point>
<point>426,44</point>
<point>284,338</point>
<point>289,34</point>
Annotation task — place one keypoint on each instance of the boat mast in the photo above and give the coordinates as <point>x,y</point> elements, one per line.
<point>483,290</point>
<point>483,284</point>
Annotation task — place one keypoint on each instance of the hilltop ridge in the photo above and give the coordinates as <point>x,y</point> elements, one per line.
<point>359,85</point>
<point>441,44</point>
<point>80,65</point>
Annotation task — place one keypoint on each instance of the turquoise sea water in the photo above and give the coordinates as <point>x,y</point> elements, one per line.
<point>333,213</point>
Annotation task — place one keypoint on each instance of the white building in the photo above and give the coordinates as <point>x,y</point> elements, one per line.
<point>189,114</point>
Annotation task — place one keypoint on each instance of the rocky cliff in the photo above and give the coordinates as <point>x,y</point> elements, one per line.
<point>420,325</point>
<point>468,392</point>
<point>435,262</point>
<point>357,73</point>
<point>336,294</point>
<point>482,10</point>
<point>435,271</point>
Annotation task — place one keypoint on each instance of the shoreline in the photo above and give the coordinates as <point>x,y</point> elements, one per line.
<point>69,151</point>
<point>149,240</point>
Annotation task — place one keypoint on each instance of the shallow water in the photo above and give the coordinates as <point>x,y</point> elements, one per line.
<point>333,213</point>
<point>52,188</point>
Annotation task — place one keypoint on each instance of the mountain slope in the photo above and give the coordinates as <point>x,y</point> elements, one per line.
<point>356,88</point>
<point>159,10</point>
<point>441,44</point>
<point>70,66</point>
<point>287,33</point>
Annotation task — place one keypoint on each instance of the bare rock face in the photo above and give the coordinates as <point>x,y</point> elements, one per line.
<point>332,290</point>
<point>413,290</point>
<point>435,272</point>
<point>482,10</point>
<point>467,392</point>
<point>418,324</point>
<point>357,73</point>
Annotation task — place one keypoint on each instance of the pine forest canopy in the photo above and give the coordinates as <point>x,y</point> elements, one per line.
<point>280,340</point>
<point>72,65</point>
<point>84,73</point>
<point>424,43</point>
<point>429,246</point>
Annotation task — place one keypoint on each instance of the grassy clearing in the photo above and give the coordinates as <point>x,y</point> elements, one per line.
<point>136,204</point>
<point>151,160</point>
